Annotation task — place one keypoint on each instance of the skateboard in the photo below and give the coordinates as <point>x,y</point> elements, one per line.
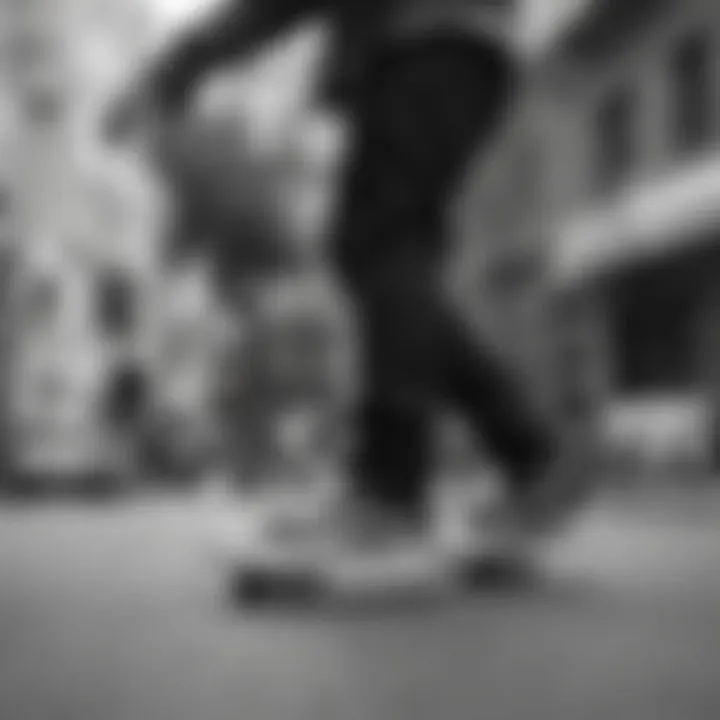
<point>294,572</point>
<point>258,585</point>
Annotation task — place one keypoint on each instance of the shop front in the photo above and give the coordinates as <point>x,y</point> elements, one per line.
<point>639,282</point>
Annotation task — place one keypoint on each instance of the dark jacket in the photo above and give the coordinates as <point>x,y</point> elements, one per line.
<point>360,30</point>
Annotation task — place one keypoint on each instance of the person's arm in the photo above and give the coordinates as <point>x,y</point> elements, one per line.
<point>237,29</point>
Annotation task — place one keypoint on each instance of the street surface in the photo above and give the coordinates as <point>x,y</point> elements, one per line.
<point>116,612</point>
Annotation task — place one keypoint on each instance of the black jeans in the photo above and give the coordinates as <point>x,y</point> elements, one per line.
<point>426,109</point>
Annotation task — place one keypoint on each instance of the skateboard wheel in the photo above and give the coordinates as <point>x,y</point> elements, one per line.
<point>257,587</point>
<point>251,588</point>
<point>495,570</point>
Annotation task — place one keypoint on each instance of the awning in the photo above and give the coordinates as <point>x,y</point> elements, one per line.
<point>648,219</point>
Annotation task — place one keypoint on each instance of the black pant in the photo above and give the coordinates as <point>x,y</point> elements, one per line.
<point>426,109</point>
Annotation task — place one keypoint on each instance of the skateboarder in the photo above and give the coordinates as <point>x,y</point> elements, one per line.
<point>426,84</point>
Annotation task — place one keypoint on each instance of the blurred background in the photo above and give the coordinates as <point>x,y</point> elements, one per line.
<point>587,246</point>
<point>98,324</point>
<point>586,240</point>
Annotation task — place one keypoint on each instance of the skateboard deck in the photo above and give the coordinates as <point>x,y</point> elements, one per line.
<point>256,583</point>
<point>290,565</point>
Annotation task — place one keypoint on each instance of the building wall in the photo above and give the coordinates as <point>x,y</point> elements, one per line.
<point>640,65</point>
<point>573,228</point>
<point>609,235</point>
<point>76,213</point>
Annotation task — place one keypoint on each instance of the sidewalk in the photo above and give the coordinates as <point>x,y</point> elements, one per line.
<point>687,500</point>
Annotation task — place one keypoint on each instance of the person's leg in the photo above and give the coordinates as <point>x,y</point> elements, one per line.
<point>426,110</point>
<point>399,363</point>
<point>480,383</point>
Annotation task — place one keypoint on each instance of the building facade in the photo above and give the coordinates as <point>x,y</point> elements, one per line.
<point>632,183</point>
<point>83,224</point>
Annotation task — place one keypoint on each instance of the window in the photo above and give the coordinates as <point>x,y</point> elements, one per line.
<point>654,334</point>
<point>116,304</point>
<point>615,139</point>
<point>692,89</point>
<point>571,354</point>
<point>126,395</point>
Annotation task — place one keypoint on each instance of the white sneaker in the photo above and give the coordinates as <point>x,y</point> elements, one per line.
<point>481,523</point>
<point>276,529</point>
<point>354,547</point>
<point>375,550</point>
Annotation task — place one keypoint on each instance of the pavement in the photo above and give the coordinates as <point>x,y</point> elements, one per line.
<point>117,612</point>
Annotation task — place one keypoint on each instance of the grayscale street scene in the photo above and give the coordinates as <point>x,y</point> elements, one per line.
<point>359,359</point>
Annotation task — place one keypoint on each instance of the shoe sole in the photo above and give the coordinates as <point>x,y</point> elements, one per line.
<point>495,571</point>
